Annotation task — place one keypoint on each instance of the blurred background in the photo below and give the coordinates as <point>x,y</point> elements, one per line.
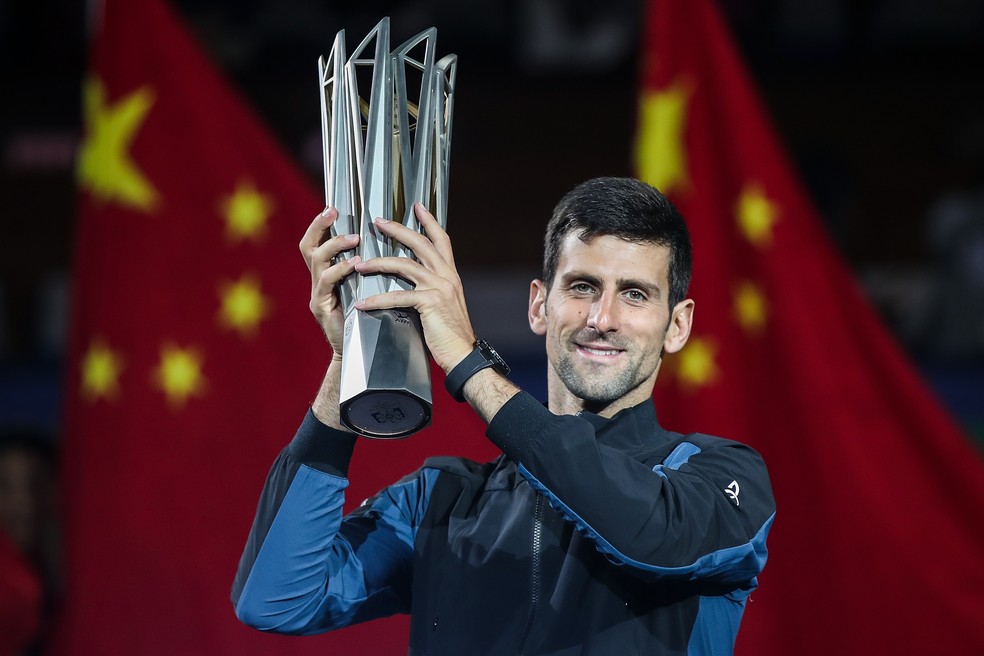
<point>879,103</point>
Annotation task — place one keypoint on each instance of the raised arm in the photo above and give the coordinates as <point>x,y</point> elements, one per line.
<point>304,569</point>
<point>307,570</point>
<point>666,513</point>
<point>320,254</point>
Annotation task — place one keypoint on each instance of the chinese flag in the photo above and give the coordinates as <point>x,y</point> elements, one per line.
<point>878,541</point>
<point>193,353</point>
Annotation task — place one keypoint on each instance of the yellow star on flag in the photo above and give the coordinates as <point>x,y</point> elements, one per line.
<point>246,211</point>
<point>243,305</point>
<point>100,369</point>
<point>750,307</point>
<point>756,215</point>
<point>661,153</point>
<point>179,374</point>
<point>696,367</point>
<point>104,165</point>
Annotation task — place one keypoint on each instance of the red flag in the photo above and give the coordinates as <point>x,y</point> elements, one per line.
<point>193,353</point>
<point>879,534</point>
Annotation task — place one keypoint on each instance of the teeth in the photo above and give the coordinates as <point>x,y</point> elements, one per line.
<point>599,351</point>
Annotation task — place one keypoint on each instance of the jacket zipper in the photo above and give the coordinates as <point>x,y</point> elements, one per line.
<point>534,569</point>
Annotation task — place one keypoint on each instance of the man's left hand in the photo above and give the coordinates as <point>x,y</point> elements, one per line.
<point>437,296</point>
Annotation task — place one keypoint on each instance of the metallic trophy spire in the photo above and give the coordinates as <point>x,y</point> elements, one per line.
<point>386,130</point>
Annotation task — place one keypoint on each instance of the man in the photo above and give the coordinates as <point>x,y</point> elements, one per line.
<point>596,531</point>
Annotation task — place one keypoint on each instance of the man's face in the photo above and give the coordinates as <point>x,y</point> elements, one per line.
<point>607,319</point>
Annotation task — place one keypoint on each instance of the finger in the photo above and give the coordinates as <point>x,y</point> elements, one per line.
<point>324,258</point>
<point>316,231</point>
<point>388,300</point>
<point>437,235</point>
<point>330,277</point>
<point>325,254</point>
<point>421,246</point>
<point>403,267</point>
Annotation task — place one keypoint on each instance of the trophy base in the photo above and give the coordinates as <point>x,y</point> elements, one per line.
<point>385,414</point>
<point>385,388</point>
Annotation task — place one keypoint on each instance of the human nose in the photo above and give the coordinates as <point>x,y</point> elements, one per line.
<point>603,316</point>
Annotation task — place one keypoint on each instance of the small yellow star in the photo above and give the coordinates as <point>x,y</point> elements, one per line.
<point>243,305</point>
<point>661,151</point>
<point>756,215</point>
<point>750,307</point>
<point>179,374</point>
<point>100,368</point>
<point>697,367</point>
<point>104,164</point>
<point>246,211</point>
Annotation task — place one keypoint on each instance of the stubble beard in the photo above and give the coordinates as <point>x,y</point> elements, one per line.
<point>597,388</point>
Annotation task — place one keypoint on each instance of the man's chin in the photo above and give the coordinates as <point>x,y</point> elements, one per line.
<point>596,394</point>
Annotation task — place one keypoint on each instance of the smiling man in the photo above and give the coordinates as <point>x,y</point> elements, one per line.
<point>596,531</point>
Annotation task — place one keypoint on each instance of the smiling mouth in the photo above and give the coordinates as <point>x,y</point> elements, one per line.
<point>599,352</point>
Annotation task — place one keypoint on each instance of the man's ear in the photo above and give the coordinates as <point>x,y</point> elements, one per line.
<point>538,307</point>
<point>681,321</point>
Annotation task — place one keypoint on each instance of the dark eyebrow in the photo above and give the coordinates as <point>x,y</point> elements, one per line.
<point>572,276</point>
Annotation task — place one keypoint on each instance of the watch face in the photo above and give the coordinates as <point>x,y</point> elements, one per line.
<point>492,356</point>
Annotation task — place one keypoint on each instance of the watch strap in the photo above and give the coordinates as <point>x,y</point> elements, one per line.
<point>481,357</point>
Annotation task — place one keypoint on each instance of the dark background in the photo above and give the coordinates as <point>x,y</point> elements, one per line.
<point>880,105</point>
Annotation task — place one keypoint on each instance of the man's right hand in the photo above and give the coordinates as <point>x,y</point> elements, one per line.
<point>327,273</point>
<point>320,251</point>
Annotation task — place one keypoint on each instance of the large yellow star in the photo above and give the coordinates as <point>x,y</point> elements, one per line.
<point>179,374</point>
<point>661,152</point>
<point>756,215</point>
<point>246,211</point>
<point>750,307</point>
<point>697,367</point>
<point>104,164</point>
<point>100,369</point>
<point>243,305</point>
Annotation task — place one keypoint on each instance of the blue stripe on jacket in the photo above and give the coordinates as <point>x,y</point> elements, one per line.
<point>307,540</point>
<point>738,563</point>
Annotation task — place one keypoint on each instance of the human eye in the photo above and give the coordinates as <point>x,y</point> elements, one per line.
<point>635,295</point>
<point>581,287</point>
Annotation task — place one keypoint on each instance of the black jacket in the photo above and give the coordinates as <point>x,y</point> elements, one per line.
<point>588,536</point>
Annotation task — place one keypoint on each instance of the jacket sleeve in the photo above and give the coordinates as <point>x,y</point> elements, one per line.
<point>702,514</point>
<point>307,570</point>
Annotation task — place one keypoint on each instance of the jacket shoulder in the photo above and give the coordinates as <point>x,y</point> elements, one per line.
<point>710,442</point>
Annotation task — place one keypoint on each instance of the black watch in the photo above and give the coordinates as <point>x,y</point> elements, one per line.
<point>482,356</point>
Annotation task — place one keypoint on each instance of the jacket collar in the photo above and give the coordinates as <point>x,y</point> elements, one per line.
<point>633,429</point>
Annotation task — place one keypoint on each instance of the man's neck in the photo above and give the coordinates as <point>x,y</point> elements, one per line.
<point>562,402</point>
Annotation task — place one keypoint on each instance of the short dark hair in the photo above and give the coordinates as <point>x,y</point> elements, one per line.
<point>625,208</point>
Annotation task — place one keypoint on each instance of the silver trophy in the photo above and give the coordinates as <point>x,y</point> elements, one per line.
<point>386,130</point>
